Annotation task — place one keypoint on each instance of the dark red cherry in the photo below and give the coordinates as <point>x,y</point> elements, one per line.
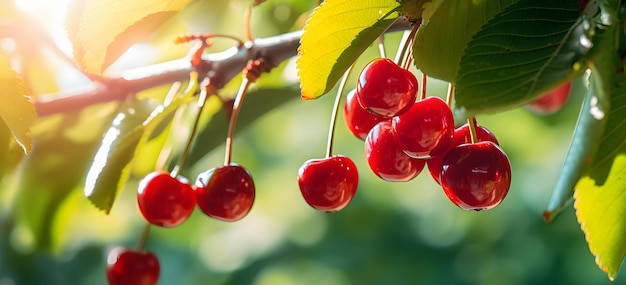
<point>225,192</point>
<point>461,135</point>
<point>582,4</point>
<point>386,159</point>
<point>328,184</point>
<point>386,89</point>
<point>476,176</point>
<point>358,120</point>
<point>164,200</point>
<point>426,129</point>
<point>552,101</point>
<point>129,267</point>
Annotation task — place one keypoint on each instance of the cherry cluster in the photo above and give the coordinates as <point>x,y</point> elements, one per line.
<point>402,135</point>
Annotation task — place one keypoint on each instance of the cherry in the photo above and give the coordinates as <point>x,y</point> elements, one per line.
<point>552,101</point>
<point>358,120</point>
<point>426,129</point>
<point>328,184</point>
<point>476,176</point>
<point>461,135</point>
<point>225,192</point>
<point>129,267</point>
<point>386,89</point>
<point>386,159</point>
<point>582,4</point>
<point>164,200</point>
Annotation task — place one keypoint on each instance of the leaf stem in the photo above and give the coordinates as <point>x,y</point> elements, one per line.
<point>243,89</point>
<point>336,107</point>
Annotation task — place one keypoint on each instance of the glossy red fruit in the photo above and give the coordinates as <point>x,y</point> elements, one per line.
<point>164,200</point>
<point>552,101</point>
<point>386,89</point>
<point>129,267</point>
<point>426,129</point>
<point>582,4</point>
<point>225,192</point>
<point>358,120</point>
<point>461,135</point>
<point>476,176</point>
<point>328,184</point>
<point>386,159</point>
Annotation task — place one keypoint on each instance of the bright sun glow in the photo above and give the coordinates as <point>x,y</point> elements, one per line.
<point>51,14</point>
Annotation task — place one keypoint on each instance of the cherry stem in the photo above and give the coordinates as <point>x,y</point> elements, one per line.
<point>405,53</point>
<point>243,89</point>
<point>247,34</point>
<point>336,106</point>
<point>144,237</point>
<point>472,128</point>
<point>450,93</point>
<point>381,46</point>
<point>424,79</point>
<point>204,94</point>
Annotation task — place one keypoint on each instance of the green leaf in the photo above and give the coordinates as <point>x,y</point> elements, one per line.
<point>530,48</point>
<point>601,212</point>
<point>336,34</point>
<point>107,28</point>
<point>587,136</point>
<point>16,109</point>
<point>442,38</point>
<point>130,129</point>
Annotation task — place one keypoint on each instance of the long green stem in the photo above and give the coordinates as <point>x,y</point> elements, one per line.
<point>243,89</point>
<point>144,237</point>
<point>472,128</point>
<point>450,94</point>
<point>336,107</point>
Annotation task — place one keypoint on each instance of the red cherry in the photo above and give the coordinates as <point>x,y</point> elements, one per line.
<point>461,135</point>
<point>225,192</point>
<point>552,101</point>
<point>426,129</point>
<point>164,200</point>
<point>386,159</point>
<point>328,184</point>
<point>386,89</point>
<point>582,4</point>
<point>476,176</point>
<point>358,120</point>
<point>128,267</point>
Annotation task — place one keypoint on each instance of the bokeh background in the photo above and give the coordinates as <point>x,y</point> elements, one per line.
<point>391,233</point>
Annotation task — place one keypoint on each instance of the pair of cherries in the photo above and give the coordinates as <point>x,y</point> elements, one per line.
<point>225,193</point>
<point>402,135</point>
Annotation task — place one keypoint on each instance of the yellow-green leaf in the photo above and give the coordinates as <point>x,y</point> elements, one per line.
<point>601,212</point>
<point>337,32</point>
<point>107,28</point>
<point>16,109</point>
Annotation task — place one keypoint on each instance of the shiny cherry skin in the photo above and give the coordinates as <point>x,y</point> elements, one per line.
<point>426,129</point>
<point>461,135</point>
<point>358,120</point>
<point>386,89</point>
<point>476,176</point>
<point>164,200</point>
<point>552,101</point>
<point>225,192</point>
<point>128,267</point>
<point>328,184</point>
<point>386,159</point>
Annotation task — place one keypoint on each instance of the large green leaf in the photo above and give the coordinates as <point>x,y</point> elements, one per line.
<point>16,109</point>
<point>530,48</point>
<point>442,38</point>
<point>105,29</point>
<point>337,32</point>
<point>130,129</point>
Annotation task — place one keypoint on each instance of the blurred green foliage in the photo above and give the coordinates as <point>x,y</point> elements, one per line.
<point>391,233</point>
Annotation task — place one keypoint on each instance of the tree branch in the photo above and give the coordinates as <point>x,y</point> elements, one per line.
<point>221,68</point>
